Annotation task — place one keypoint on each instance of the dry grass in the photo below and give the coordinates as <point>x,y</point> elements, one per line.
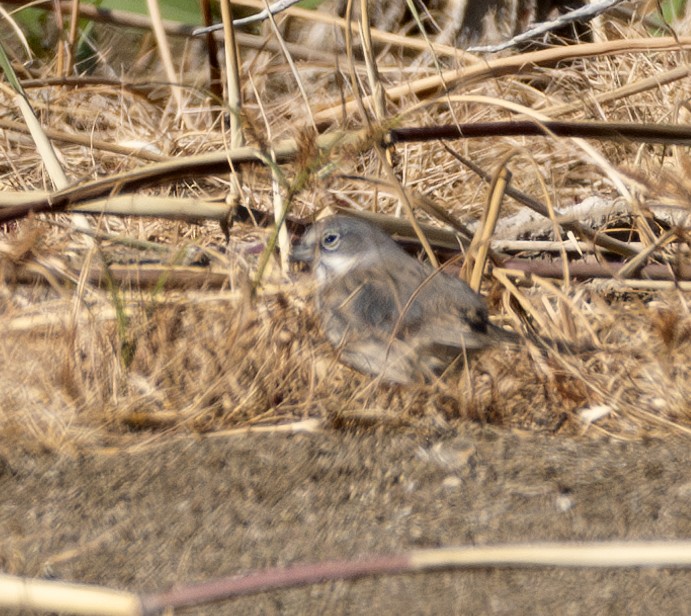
<point>87,367</point>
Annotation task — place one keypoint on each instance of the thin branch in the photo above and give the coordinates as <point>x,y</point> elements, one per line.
<point>581,14</point>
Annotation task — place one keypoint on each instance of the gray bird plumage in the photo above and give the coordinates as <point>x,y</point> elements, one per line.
<point>385,312</point>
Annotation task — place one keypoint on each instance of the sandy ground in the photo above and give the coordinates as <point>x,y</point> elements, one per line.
<point>189,509</point>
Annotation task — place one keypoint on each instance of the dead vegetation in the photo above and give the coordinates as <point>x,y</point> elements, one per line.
<point>107,359</point>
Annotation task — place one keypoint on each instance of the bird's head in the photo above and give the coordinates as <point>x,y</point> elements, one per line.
<point>337,244</point>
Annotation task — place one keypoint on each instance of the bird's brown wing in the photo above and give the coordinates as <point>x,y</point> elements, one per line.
<point>447,313</point>
<point>402,324</point>
<point>361,316</point>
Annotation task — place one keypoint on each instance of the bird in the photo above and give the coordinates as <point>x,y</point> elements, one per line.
<point>386,313</point>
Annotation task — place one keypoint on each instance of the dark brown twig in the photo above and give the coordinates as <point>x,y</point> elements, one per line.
<point>669,134</point>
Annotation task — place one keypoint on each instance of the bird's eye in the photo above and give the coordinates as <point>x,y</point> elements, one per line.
<point>330,240</point>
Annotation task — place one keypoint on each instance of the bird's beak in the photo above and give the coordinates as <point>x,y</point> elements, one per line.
<point>302,253</point>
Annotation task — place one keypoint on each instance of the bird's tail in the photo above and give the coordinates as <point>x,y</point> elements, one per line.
<point>501,335</point>
<point>505,336</point>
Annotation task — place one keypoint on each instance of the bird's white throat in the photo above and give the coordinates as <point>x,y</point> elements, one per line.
<point>335,265</point>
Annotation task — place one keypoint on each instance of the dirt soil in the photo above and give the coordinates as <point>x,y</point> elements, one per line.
<point>193,509</point>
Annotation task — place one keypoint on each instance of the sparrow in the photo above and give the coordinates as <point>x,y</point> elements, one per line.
<point>386,313</point>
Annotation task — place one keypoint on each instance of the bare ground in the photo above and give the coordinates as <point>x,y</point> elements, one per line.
<point>193,509</point>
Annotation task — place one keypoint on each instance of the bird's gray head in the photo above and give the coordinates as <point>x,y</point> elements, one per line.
<point>337,244</point>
